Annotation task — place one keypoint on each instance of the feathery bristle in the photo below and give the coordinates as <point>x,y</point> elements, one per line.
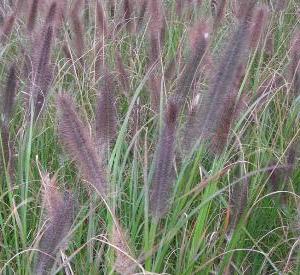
<point>164,156</point>
<point>102,26</point>
<point>77,29</point>
<point>60,210</point>
<point>32,16</point>
<point>106,117</point>
<point>79,145</point>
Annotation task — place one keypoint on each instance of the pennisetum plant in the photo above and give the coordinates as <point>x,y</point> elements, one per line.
<point>156,32</point>
<point>77,26</point>
<point>163,162</point>
<point>156,29</point>
<point>199,39</point>
<point>106,116</point>
<point>60,213</point>
<point>41,75</point>
<point>32,16</point>
<point>80,146</point>
<point>41,68</point>
<point>217,104</point>
<point>165,151</point>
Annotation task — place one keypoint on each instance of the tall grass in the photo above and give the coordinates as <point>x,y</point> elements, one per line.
<point>174,124</point>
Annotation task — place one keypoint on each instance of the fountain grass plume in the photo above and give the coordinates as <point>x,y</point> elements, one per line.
<point>199,39</point>
<point>163,163</point>
<point>60,209</point>
<point>52,12</point>
<point>106,116</point>
<point>156,29</point>
<point>32,16</point>
<point>212,117</point>
<point>42,72</point>
<point>77,28</point>
<point>79,145</point>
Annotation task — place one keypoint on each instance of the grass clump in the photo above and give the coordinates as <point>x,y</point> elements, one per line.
<point>182,118</point>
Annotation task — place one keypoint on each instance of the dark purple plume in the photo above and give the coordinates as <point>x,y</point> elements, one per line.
<point>199,38</point>
<point>156,29</point>
<point>52,12</point>
<point>60,209</point>
<point>77,29</point>
<point>163,168</point>
<point>32,16</point>
<point>42,71</point>
<point>214,112</point>
<point>79,145</point>
<point>106,116</point>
